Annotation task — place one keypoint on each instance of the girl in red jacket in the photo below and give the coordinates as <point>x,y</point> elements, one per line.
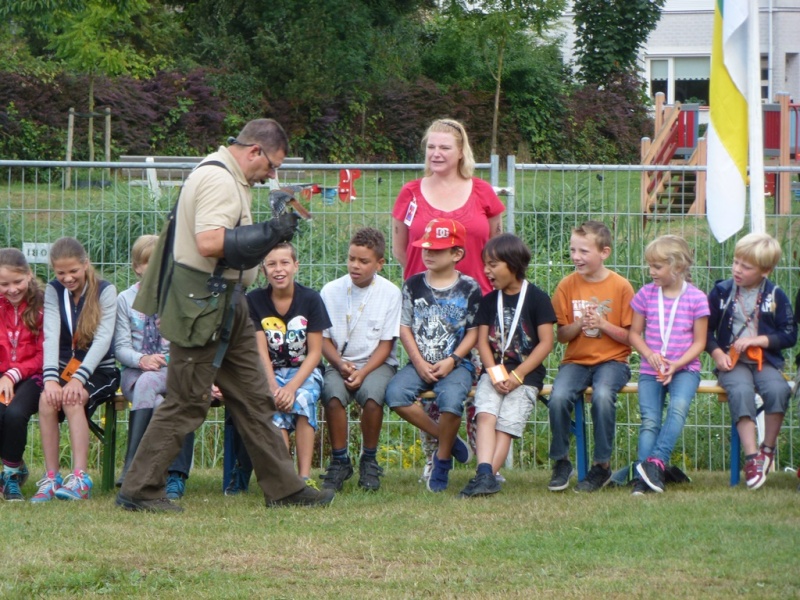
<point>21,313</point>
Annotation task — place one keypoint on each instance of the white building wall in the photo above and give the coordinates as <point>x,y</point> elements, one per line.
<point>686,29</point>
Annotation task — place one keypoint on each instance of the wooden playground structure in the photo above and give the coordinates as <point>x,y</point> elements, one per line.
<point>677,142</point>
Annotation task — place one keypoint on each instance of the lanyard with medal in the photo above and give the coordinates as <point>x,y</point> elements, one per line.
<point>666,332</point>
<point>73,364</point>
<point>351,322</point>
<point>498,372</point>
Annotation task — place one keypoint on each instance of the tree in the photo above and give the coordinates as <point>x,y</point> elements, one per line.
<point>90,37</point>
<point>609,35</point>
<point>496,23</point>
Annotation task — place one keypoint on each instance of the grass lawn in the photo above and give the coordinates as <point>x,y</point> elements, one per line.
<point>702,540</point>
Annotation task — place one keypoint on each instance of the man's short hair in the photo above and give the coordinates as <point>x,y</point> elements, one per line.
<point>267,133</point>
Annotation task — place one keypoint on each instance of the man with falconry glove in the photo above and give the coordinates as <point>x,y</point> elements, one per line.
<point>207,255</point>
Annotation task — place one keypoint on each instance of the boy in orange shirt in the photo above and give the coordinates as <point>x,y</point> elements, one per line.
<point>593,308</point>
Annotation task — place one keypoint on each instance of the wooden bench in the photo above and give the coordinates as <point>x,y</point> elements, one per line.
<point>707,386</point>
<point>108,439</point>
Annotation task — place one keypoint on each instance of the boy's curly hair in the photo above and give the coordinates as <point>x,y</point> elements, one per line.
<point>369,237</point>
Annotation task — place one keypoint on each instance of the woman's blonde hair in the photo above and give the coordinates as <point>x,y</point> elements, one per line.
<point>89,319</point>
<point>466,166</point>
<point>672,250</point>
<point>14,260</point>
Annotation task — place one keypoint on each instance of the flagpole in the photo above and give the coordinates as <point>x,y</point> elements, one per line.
<point>754,119</point>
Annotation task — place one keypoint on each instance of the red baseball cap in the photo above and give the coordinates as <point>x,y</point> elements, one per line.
<point>441,234</point>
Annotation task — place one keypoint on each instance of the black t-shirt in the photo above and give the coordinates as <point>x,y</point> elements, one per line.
<point>287,334</point>
<point>537,310</point>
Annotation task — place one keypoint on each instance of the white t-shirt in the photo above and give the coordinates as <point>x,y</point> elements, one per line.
<point>374,317</point>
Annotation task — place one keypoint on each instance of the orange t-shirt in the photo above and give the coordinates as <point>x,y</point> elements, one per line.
<point>613,298</point>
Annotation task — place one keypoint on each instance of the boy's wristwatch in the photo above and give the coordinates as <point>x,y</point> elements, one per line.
<point>456,359</point>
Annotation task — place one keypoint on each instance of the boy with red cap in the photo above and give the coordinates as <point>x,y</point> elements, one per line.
<point>438,331</point>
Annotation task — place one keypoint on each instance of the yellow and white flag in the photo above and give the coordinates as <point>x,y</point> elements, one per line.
<point>726,190</point>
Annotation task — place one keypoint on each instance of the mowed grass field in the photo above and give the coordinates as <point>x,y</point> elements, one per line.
<point>699,540</point>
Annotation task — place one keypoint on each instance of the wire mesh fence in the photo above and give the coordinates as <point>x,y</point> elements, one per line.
<point>108,205</point>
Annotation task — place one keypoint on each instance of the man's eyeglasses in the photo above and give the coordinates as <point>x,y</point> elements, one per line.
<point>272,166</point>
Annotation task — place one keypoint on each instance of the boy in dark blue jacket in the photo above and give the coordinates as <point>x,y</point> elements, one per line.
<point>751,322</point>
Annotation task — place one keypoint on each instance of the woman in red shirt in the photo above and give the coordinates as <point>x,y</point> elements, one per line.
<point>447,191</point>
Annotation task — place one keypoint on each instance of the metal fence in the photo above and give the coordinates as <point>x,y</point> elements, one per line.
<point>108,205</point>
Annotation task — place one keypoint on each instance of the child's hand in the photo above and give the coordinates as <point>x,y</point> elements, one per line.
<point>152,362</point>
<point>426,371</point>
<point>722,360</point>
<point>215,392</point>
<point>52,394</point>
<point>346,369</point>
<point>355,380</point>
<point>656,361</point>
<point>284,398</point>
<point>74,394</point>
<point>6,389</point>
<point>667,371</point>
<point>502,387</point>
<point>442,368</point>
<point>592,318</point>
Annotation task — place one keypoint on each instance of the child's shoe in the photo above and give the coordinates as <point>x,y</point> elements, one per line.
<point>768,455</point>
<point>596,479</point>
<point>438,480</point>
<point>77,486</point>
<point>369,474</point>
<point>652,473</point>
<point>754,472</point>
<point>11,491</point>
<point>48,485</point>
<point>640,488</point>
<point>461,451</point>
<point>176,486</point>
<point>483,484</point>
<point>426,471</point>
<point>562,471</point>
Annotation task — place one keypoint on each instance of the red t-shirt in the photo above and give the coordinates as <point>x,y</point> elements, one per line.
<point>481,205</point>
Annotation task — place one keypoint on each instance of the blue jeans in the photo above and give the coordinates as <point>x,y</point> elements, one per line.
<point>451,391</point>
<point>657,439</point>
<point>572,379</point>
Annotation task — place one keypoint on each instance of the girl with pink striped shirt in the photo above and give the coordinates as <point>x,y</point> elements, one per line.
<point>670,320</point>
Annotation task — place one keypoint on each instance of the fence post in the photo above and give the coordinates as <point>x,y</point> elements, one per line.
<point>511,204</point>
<point>494,170</point>
<point>108,138</point>
<point>70,133</point>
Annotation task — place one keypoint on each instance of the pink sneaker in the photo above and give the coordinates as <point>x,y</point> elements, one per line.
<point>754,472</point>
<point>48,485</point>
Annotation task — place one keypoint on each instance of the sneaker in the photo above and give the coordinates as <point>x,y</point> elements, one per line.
<point>483,484</point>
<point>754,473</point>
<point>499,477</point>
<point>562,471</point>
<point>159,505</point>
<point>48,485</point>
<point>426,471</point>
<point>597,478</point>
<point>440,475</point>
<point>308,496</point>
<point>76,487</point>
<point>461,451</point>
<point>336,474</point>
<point>11,491</point>
<point>673,474</point>
<point>769,458</point>
<point>640,488</point>
<point>176,486</point>
<point>652,473</point>
<point>369,473</point>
